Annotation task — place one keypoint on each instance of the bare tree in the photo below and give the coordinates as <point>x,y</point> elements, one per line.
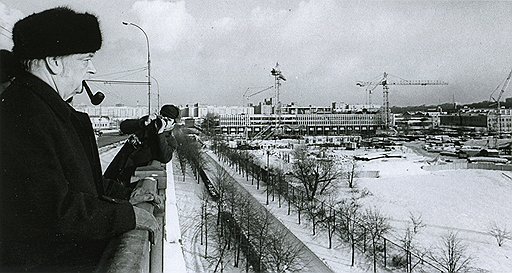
<point>500,233</point>
<point>188,152</point>
<point>219,256</point>
<point>221,184</point>
<point>408,243</point>
<point>451,256</point>
<point>351,173</point>
<point>317,175</point>
<point>416,222</point>
<point>376,225</point>
<point>281,254</point>
<point>260,228</point>
<point>348,226</point>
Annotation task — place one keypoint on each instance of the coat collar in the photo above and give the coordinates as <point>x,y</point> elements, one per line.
<point>46,93</point>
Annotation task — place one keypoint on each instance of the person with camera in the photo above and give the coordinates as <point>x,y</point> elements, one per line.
<point>57,212</point>
<point>151,139</point>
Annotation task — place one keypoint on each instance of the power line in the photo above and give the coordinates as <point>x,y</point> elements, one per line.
<point>123,76</point>
<point>2,27</point>
<point>125,71</point>
<point>118,82</point>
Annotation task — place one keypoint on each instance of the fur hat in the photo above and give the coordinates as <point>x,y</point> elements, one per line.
<point>55,32</point>
<point>170,111</point>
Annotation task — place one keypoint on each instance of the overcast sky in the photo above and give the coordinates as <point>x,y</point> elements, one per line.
<point>213,51</point>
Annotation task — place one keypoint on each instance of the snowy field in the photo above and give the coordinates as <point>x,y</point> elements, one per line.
<point>464,201</point>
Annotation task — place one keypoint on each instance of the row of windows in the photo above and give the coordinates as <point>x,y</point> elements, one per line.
<point>342,128</point>
<point>331,120</point>
<point>312,123</point>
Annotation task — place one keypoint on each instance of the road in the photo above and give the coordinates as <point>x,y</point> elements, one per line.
<point>312,262</point>
<point>417,147</point>
<point>107,139</point>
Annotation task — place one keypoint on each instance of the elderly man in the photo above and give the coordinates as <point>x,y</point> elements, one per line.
<point>56,211</point>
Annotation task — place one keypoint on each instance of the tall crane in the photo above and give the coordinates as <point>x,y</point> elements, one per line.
<point>385,86</point>
<point>502,88</point>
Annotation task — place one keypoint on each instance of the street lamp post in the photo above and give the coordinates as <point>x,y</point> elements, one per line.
<point>157,93</point>
<point>149,63</point>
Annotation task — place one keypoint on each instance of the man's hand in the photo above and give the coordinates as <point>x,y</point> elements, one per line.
<point>149,119</point>
<point>145,220</point>
<point>141,195</point>
<point>166,125</point>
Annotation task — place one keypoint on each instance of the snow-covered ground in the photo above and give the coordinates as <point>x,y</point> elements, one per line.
<point>465,201</point>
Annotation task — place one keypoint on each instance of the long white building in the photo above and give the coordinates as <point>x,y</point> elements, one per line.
<point>302,124</point>
<point>293,120</point>
<point>109,117</point>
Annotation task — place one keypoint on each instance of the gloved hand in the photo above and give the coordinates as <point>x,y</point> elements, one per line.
<point>145,220</point>
<point>165,125</point>
<point>149,119</point>
<point>140,195</point>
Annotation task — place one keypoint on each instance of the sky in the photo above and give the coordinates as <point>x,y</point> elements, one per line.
<point>213,52</point>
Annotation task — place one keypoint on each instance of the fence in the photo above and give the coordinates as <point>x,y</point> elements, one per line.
<point>467,165</point>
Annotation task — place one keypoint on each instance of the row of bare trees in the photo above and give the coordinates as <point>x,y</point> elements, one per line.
<point>232,227</point>
<point>239,226</point>
<point>363,230</point>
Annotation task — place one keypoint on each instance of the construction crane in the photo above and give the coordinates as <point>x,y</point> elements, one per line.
<point>247,96</point>
<point>370,86</point>
<point>502,88</point>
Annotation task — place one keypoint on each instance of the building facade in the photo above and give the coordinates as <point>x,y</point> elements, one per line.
<point>109,117</point>
<point>489,121</point>
<point>253,120</point>
<point>302,124</point>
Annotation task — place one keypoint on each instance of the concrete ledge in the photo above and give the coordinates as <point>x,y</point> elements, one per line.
<point>133,251</point>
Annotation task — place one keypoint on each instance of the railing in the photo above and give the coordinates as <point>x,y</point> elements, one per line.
<point>138,250</point>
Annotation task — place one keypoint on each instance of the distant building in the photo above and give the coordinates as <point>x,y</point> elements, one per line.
<point>479,120</point>
<point>293,119</point>
<point>200,111</point>
<point>103,123</point>
<point>303,124</point>
<point>113,115</point>
<point>417,122</point>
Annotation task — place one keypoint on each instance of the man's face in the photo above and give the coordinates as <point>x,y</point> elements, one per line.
<point>76,68</point>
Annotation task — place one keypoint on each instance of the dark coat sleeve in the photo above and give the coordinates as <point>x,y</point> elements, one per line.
<point>115,189</point>
<point>162,146</point>
<point>130,126</point>
<point>48,184</point>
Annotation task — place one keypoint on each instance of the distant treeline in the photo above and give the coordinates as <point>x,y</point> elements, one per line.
<point>450,107</point>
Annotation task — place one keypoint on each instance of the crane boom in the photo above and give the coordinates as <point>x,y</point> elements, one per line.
<point>503,88</point>
<point>498,99</point>
<point>385,83</point>
<point>257,92</point>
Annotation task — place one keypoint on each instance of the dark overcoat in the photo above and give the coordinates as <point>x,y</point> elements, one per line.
<point>55,208</point>
<point>144,146</point>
